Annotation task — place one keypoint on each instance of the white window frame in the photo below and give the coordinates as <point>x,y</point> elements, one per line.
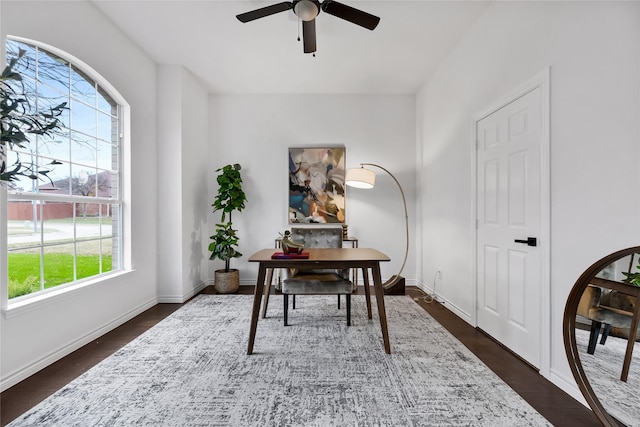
<point>31,301</point>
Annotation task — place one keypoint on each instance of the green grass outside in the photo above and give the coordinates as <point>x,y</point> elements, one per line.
<point>24,270</point>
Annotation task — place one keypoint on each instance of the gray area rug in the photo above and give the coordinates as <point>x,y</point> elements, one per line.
<point>603,369</point>
<point>192,370</point>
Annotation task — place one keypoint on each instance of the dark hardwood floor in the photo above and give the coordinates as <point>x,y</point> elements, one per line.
<point>554,404</point>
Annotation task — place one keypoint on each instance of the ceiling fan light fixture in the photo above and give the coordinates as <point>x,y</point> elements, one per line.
<point>306,10</point>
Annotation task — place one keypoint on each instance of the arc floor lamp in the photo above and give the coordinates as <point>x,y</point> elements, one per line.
<point>366,178</point>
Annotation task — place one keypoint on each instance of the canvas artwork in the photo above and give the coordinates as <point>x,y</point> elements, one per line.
<point>316,185</point>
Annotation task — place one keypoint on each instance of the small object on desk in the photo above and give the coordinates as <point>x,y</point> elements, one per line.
<point>289,246</point>
<point>282,255</point>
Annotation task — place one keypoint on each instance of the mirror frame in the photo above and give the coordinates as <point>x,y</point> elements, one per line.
<point>569,334</point>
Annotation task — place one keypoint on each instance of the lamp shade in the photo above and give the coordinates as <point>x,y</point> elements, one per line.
<point>360,178</point>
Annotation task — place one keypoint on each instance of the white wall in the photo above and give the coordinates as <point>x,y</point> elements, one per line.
<point>593,50</point>
<point>257,130</point>
<point>196,170</point>
<point>182,183</point>
<point>31,339</point>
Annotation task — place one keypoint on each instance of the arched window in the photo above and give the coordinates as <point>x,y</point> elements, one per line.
<point>64,226</point>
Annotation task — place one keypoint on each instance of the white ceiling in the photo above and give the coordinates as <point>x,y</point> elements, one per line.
<point>263,56</point>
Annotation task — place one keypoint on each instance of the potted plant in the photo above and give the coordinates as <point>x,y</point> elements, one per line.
<point>223,246</point>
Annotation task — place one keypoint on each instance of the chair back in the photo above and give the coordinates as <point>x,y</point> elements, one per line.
<point>320,237</point>
<point>317,237</point>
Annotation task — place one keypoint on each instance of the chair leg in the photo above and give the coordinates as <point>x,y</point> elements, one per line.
<point>338,301</point>
<point>605,333</point>
<point>348,298</point>
<point>294,302</point>
<point>593,337</point>
<point>286,309</point>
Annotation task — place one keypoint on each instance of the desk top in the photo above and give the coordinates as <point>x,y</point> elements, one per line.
<point>625,288</point>
<point>340,255</point>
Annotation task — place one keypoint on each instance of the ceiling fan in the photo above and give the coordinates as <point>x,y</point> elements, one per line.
<point>307,10</point>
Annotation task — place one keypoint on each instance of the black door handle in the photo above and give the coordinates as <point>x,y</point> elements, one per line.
<point>531,241</point>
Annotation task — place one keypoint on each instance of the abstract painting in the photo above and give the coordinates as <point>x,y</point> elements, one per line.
<point>316,185</point>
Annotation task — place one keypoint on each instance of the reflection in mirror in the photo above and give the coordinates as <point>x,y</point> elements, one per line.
<point>600,329</point>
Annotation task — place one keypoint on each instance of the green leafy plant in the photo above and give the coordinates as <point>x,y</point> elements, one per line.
<point>632,278</point>
<point>230,198</point>
<point>18,121</point>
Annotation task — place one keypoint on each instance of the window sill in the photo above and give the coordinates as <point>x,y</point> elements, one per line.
<point>34,303</point>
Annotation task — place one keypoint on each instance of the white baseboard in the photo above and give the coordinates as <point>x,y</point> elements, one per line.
<point>567,385</point>
<point>26,371</point>
<point>180,298</point>
<point>448,304</point>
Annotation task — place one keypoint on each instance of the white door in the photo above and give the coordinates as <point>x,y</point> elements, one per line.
<point>509,269</point>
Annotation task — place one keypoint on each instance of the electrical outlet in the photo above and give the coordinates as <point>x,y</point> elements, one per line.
<point>439,274</point>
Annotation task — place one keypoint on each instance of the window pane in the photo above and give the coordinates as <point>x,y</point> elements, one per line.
<point>26,66</point>
<point>59,175</point>
<point>24,89</point>
<point>107,155</point>
<point>49,98</point>
<point>21,183</point>
<point>23,224</point>
<point>58,265</point>
<point>106,184</point>
<point>88,220</point>
<point>106,103</point>
<point>24,272</point>
<point>83,149</point>
<point>83,118</point>
<point>106,127</point>
<point>83,181</point>
<point>109,262</point>
<point>53,71</point>
<point>58,223</point>
<point>46,174</point>
<point>114,214</point>
<point>82,87</point>
<point>54,148</point>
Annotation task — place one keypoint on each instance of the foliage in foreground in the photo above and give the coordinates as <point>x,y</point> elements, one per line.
<point>19,120</point>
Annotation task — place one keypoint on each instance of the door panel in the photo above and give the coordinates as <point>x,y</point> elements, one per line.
<point>517,284</point>
<point>517,191</point>
<point>508,209</point>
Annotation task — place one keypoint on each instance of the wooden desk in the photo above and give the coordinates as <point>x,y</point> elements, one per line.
<point>267,290</point>
<point>631,340</point>
<point>362,258</point>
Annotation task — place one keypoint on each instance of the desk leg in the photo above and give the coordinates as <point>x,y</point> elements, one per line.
<point>267,292</point>
<point>377,283</point>
<point>630,343</point>
<point>367,291</point>
<point>257,296</point>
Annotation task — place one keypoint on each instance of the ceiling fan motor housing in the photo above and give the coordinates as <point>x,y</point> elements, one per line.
<point>306,10</point>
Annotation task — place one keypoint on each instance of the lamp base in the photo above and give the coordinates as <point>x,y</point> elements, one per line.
<point>394,286</point>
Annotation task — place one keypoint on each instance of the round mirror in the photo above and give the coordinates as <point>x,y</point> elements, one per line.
<point>600,329</point>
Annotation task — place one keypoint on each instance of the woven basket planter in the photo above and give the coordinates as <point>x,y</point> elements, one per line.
<point>226,282</point>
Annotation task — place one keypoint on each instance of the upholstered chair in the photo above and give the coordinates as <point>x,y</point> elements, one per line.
<point>605,309</point>
<point>317,281</point>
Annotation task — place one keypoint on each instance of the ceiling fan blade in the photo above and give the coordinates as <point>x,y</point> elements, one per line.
<point>350,14</point>
<point>309,36</point>
<point>264,11</point>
